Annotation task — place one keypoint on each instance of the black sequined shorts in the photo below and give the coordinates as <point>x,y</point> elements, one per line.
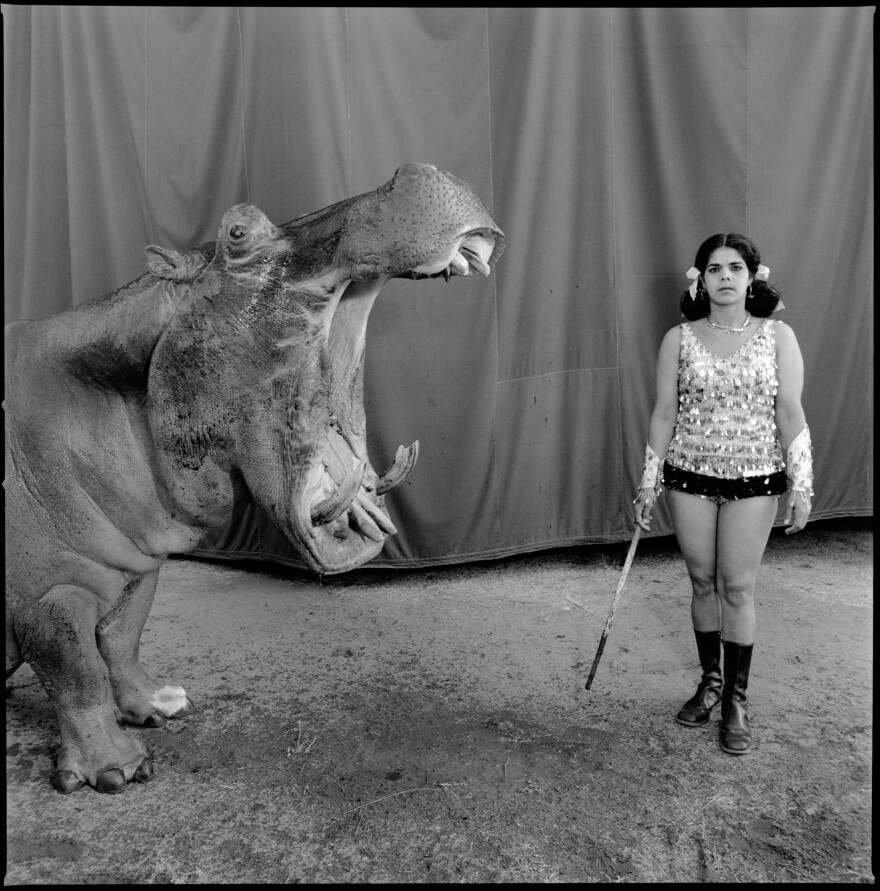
<point>714,488</point>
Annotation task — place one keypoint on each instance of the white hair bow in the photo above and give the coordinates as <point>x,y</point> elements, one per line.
<point>763,273</point>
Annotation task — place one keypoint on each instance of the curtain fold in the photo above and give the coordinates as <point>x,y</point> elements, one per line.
<point>609,143</point>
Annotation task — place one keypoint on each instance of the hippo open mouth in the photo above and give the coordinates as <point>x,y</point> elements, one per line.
<point>343,491</point>
<point>332,265</point>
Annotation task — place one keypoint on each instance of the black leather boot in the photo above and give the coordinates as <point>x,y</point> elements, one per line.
<point>695,712</point>
<point>736,733</point>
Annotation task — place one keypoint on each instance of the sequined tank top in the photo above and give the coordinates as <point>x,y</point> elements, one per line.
<point>726,425</point>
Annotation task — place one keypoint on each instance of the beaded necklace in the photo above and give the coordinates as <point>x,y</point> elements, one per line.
<point>728,330</point>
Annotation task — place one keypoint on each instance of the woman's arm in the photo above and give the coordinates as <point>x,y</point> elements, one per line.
<point>792,424</point>
<point>790,418</point>
<point>663,418</point>
<point>665,412</point>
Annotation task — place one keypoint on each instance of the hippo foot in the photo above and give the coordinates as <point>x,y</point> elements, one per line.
<point>110,782</point>
<point>107,761</point>
<point>143,701</point>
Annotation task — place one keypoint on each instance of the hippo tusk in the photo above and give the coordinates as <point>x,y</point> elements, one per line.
<point>404,461</point>
<point>459,265</point>
<point>378,516</point>
<point>340,501</point>
<point>475,261</point>
<point>367,523</point>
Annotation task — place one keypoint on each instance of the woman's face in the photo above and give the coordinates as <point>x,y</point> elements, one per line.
<point>726,277</point>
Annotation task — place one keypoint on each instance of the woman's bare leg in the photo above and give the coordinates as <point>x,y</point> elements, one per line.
<point>695,521</point>
<point>743,529</point>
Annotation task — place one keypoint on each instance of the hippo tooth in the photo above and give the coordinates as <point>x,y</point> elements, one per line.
<point>459,265</point>
<point>379,517</point>
<point>339,502</point>
<point>366,523</point>
<point>404,461</point>
<point>475,261</point>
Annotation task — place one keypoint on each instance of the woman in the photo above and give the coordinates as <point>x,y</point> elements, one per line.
<point>729,421</point>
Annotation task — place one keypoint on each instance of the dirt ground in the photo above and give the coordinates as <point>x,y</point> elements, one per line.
<point>432,726</point>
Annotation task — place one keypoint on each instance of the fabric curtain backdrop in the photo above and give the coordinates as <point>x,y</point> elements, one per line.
<point>608,142</point>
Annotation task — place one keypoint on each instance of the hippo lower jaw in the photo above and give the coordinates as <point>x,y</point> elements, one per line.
<point>340,511</point>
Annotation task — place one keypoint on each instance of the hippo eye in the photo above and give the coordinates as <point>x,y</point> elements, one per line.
<point>237,232</point>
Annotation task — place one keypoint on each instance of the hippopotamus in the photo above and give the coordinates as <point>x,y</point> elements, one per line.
<point>134,421</point>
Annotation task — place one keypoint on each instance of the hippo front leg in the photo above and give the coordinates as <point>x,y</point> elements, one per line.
<point>58,637</point>
<point>140,699</point>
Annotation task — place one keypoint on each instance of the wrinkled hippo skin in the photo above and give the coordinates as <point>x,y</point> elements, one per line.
<point>133,421</point>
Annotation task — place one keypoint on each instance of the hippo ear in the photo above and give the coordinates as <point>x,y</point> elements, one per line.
<point>165,263</point>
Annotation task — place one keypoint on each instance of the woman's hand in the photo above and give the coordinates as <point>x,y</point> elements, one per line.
<point>644,503</point>
<point>797,513</point>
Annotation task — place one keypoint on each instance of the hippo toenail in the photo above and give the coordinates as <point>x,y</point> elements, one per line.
<point>111,782</point>
<point>67,781</point>
<point>144,773</point>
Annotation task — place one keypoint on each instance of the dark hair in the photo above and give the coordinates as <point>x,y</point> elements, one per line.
<point>763,300</point>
